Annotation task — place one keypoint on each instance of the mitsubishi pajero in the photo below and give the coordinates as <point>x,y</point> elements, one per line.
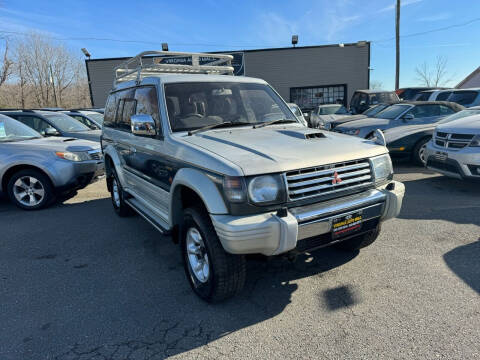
<point>221,164</point>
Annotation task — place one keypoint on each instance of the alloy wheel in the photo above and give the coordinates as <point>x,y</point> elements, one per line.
<point>28,191</point>
<point>197,255</point>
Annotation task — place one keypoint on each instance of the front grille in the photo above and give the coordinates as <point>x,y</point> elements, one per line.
<point>327,179</point>
<point>452,141</point>
<point>95,155</point>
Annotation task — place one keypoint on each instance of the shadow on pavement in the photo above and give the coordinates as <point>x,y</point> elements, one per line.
<point>82,283</point>
<point>464,262</point>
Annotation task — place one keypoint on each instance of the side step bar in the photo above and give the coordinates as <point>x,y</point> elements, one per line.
<point>147,215</point>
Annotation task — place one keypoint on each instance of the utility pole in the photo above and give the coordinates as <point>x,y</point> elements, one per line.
<point>53,85</point>
<point>397,45</point>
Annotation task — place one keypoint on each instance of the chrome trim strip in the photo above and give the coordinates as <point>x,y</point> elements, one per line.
<point>344,204</point>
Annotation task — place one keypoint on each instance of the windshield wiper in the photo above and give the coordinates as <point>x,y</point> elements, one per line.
<point>214,126</point>
<point>277,121</point>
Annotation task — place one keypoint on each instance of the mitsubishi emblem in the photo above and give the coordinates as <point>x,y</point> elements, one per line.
<point>336,178</point>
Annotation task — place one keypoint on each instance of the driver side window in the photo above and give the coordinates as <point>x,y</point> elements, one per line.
<point>35,123</point>
<point>421,111</point>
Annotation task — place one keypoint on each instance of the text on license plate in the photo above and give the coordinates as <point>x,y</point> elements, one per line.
<point>346,224</point>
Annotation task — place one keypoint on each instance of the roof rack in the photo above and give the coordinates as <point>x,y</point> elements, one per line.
<point>172,62</point>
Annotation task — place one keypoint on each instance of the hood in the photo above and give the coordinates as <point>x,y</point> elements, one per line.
<point>399,132</point>
<point>366,122</point>
<point>467,125</point>
<point>58,144</point>
<point>93,135</point>
<point>347,118</point>
<point>278,148</point>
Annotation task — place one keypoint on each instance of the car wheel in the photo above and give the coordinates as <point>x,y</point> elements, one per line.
<point>30,189</point>
<point>213,274</point>
<point>118,197</point>
<point>419,152</point>
<point>359,242</point>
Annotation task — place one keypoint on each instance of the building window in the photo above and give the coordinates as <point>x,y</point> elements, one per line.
<point>310,97</point>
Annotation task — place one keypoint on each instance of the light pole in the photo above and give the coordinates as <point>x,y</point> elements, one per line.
<point>397,45</point>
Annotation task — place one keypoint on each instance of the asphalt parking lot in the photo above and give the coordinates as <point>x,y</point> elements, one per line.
<point>78,282</point>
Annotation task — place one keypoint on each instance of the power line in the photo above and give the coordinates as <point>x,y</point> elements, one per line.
<point>430,31</point>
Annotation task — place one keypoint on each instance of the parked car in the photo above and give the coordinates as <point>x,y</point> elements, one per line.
<point>405,113</point>
<point>410,141</point>
<point>222,164</point>
<point>49,123</point>
<point>323,114</point>
<point>370,112</point>
<point>455,149</point>
<point>434,95</point>
<point>298,113</point>
<point>92,119</point>
<point>408,94</point>
<point>466,97</point>
<point>363,99</point>
<point>34,169</point>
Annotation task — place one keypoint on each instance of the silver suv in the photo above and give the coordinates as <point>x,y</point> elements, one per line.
<point>223,165</point>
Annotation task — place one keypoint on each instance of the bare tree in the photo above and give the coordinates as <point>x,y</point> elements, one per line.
<point>438,76</point>
<point>49,74</point>
<point>376,85</point>
<point>5,65</point>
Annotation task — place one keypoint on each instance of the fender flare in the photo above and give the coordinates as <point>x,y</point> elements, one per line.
<point>202,185</point>
<point>112,154</point>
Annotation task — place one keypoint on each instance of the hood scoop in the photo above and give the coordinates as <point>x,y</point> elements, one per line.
<point>312,136</point>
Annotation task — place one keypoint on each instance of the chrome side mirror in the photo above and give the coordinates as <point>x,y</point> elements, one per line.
<point>143,124</point>
<point>51,132</point>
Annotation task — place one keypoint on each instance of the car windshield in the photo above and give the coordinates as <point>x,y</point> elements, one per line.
<point>463,97</point>
<point>194,105</point>
<point>392,112</point>
<point>332,109</point>
<point>296,110</point>
<point>374,110</point>
<point>66,123</point>
<point>459,115</point>
<point>13,130</point>
<point>97,117</point>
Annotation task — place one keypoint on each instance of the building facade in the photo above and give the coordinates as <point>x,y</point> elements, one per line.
<point>307,76</point>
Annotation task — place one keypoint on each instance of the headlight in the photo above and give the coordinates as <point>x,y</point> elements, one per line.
<point>353,132</point>
<point>382,167</point>
<point>475,141</point>
<point>265,189</point>
<point>73,156</point>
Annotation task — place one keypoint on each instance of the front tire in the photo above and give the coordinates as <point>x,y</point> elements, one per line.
<point>359,242</point>
<point>419,152</point>
<point>213,274</point>
<point>30,189</point>
<point>118,197</point>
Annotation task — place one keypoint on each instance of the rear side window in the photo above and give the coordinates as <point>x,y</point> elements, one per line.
<point>443,95</point>
<point>423,96</point>
<point>125,109</point>
<point>463,97</point>
<point>147,103</point>
<point>445,110</point>
<point>421,111</point>
<point>110,108</point>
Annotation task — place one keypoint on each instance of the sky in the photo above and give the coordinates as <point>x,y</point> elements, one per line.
<point>234,25</point>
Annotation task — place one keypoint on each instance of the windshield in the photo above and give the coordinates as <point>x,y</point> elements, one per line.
<point>97,117</point>
<point>463,97</point>
<point>194,105</point>
<point>66,123</point>
<point>460,114</point>
<point>296,110</point>
<point>13,130</point>
<point>392,112</point>
<point>374,110</point>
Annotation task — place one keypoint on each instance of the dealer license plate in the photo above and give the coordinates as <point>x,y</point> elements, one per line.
<point>346,225</point>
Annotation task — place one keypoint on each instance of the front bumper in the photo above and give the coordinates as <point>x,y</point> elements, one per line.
<point>273,234</point>
<point>460,164</point>
<point>80,174</point>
